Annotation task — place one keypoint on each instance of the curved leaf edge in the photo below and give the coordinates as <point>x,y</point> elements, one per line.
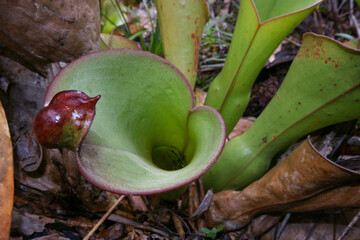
<point>49,94</point>
<point>260,24</point>
<point>284,15</point>
<point>92,179</point>
<point>73,64</point>
<point>340,44</point>
<point>318,36</point>
<point>120,38</point>
<point>207,9</point>
<point>309,140</point>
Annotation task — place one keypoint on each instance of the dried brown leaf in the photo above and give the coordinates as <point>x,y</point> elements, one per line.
<point>138,203</point>
<point>6,176</point>
<point>178,225</point>
<point>300,179</point>
<point>312,231</point>
<point>200,96</point>
<point>242,125</point>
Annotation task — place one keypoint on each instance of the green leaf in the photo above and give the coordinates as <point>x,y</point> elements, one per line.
<point>206,230</point>
<point>322,88</point>
<point>213,232</point>
<point>181,26</point>
<point>111,22</point>
<point>261,26</point>
<point>347,36</point>
<point>211,235</point>
<point>108,41</point>
<point>146,105</point>
<point>220,228</point>
<point>112,17</point>
<point>353,42</point>
<point>138,34</point>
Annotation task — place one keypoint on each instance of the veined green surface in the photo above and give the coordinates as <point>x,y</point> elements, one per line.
<point>145,103</point>
<point>260,27</point>
<point>322,87</point>
<point>108,41</point>
<point>181,26</point>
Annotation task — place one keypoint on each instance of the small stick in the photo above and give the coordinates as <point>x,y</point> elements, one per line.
<point>111,36</point>
<point>93,230</point>
<point>356,25</point>
<point>212,14</point>
<point>125,221</point>
<point>283,225</point>
<point>353,18</point>
<point>348,228</point>
<point>311,231</point>
<point>342,4</point>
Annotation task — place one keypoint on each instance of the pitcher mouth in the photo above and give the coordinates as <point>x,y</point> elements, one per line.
<point>168,158</point>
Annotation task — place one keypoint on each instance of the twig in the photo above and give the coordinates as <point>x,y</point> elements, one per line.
<point>163,226</point>
<point>103,218</point>
<point>334,6</point>
<point>348,228</point>
<point>311,231</point>
<point>111,36</point>
<point>342,4</point>
<point>217,30</point>
<point>283,224</point>
<point>125,221</point>
<point>210,67</point>
<point>351,7</point>
<point>185,224</point>
<point>356,25</point>
<point>343,158</point>
<point>297,44</point>
<point>353,18</point>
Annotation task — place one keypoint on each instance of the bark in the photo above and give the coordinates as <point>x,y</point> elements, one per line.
<point>36,33</point>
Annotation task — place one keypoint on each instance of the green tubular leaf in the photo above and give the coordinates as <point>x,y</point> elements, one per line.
<point>260,27</point>
<point>271,9</point>
<point>321,88</point>
<point>146,103</point>
<point>181,25</point>
<point>127,173</point>
<point>108,41</point>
